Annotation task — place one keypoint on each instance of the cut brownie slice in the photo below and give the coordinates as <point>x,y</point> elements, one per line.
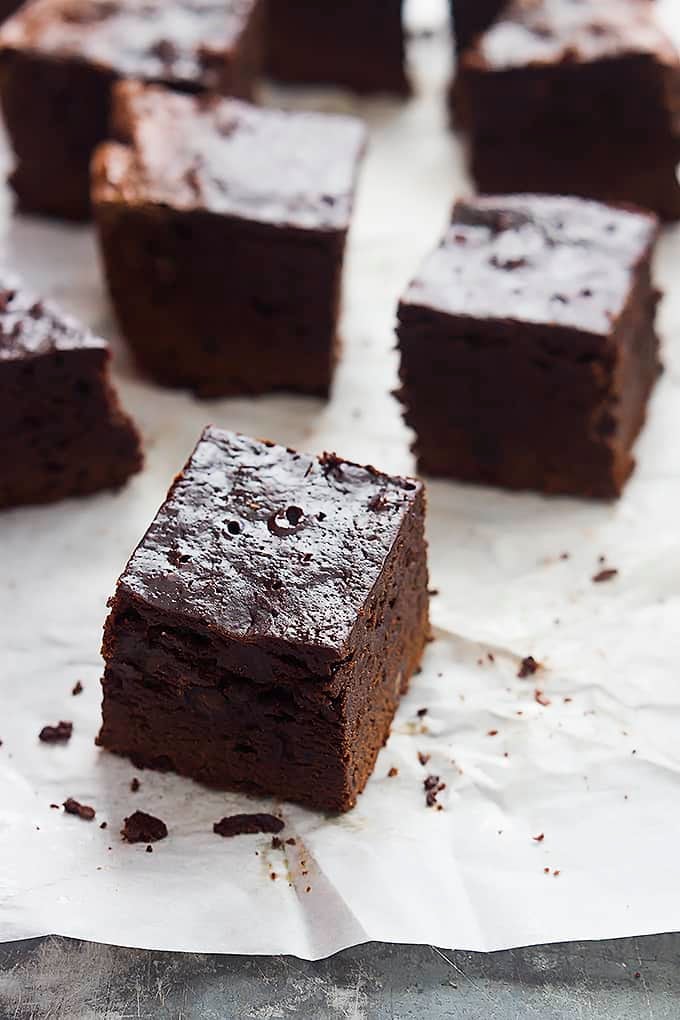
<point>223,228</point>
<point>59,58</point>
<point>62,432</point>
<point>269,621</point>
<point>575,98</point>
<point>354,44</point>
<point>528,350</point>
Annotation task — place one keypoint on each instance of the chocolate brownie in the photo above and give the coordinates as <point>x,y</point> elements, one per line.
<point>59,58</point>
<point>222,227</point>
<point>575,98</point>
<point>266,626</point>
<point>354,44</point>
<point>528,350</point>
<point>62,431</point>
<point>472,17</point>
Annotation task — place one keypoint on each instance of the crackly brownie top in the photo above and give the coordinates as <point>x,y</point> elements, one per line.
<point>536,259</point>
<point>231,158</point>
<point>30,327</point>
<point>570,31</point>
<point>260,542</point>
<point>167,40</point>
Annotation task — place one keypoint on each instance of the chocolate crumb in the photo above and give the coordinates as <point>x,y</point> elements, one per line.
<point>541,699</point>
<point>564,556</point>
<point>433,787</point>
<point>556,873</point>
<point>308,889</point>
<point>78,689</point>
<point>492,733</point>
<point>84,811</point>
<point>58,734</point>
<point>143,828</point>
<point>423,758</point>
<point>55,806</point>
<point>247,825</point>
<point>539,839</point>
<point>421,713</point>
<point>104,825</point>
<point>567,700</point>
<point>392,773</point>
<point>491,657</point>
<point>432,592</point>
<point>134,785</point>
<point>273,876</point>
<point>291,842</point>
<point>527,667</point>
<point>149,849</point>
<point>605,575</point>
<point>546,871</point>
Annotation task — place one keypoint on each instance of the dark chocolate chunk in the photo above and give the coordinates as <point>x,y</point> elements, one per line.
<point>143,828</point>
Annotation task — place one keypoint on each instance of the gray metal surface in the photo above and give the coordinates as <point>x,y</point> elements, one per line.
<point>619,980</point>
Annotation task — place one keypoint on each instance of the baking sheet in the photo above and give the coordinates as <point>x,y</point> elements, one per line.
<point>596,772</point>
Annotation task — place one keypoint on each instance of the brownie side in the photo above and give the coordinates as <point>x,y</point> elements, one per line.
<point>525,406</point>
<point>69,437</point>
<point>221,306</point>
<point>355,45</point>
<point>585,138</point>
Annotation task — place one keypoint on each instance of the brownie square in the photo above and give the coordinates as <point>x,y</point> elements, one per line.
<point>270,619</point>
<point>575,98</point>
<point>356,45</point>
<point>222,227</point>
<point>62,431</point>
<point>528,350</point>
<point>59,59</point>
<point>472,17</point>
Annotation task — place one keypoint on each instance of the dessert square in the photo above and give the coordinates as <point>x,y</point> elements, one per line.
<point>356,45</point>
<point>62,431</point>
<point>222,228</point>
<point>575,98</point>
<point>270,619</point>
<point>528,349</point>
<point>59,59</point>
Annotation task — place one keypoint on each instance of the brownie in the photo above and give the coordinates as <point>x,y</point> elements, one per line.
<point>472,17</point>
<point>528,350</point>
<point>59,59</point>
<point>265,628</point>
<point>62,431</point>
<point>222,227</point>
<point>575,98</point>
<point>354,44</point>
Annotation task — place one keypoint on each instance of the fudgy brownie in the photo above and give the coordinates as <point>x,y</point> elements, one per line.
<point>528,350</point>
<point>269,621</point>
<point>62,432</point>
<point>472,17</point>
<point>354,44</point>
<point>223,227</point>
<point>59,58</point>
<point>575,98</point>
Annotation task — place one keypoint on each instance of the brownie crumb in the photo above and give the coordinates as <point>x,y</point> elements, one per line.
<point>84,811</point>
<point>421,713</point>
<point>104,825</point>
<point>58,734</point>
<point>541,699</point>
<point>491,657</point>
<point>143,828</point>
<point>277,844</point>
<point>605,575</point>
<point>149,849</point>
<point>134,785</point>
<point>492,733</point>
<point>78,689</point>
<point>564,556</point>
<point>546,871</point>
<point>392,773</point>
<point>432,592</point>
<point>433,787</point>
<point>567,701</point>
<point>527,667</point>
<point>247,825</point>
<point>423,758</point>
<point>273,876</point>
<point>55,807</point>
<point>539,838</point>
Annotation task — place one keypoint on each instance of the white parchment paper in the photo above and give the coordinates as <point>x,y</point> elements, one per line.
<point>596,771</point>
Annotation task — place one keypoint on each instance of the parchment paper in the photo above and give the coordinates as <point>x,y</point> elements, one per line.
<point>596,772</point>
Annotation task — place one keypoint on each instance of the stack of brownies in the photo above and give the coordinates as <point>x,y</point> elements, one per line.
<point>269,621</point>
